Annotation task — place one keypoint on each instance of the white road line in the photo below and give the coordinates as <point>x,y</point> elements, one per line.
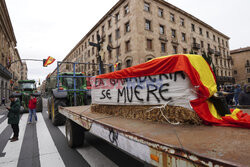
<point>1,116</point>
<point>92,155</point>
<point>49,155</point>
<point>3,125</point>
<point>13,149</point>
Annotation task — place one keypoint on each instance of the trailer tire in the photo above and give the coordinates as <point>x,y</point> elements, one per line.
<point>56,117</point>
<point>49,107</point>
<point>39,104</point>
<point>74,133</point>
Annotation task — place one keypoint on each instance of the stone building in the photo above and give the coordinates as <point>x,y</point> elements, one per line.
<point>144,29</point>
<point>241,65</point>
<point>24,71</point>
<point>9,73</point>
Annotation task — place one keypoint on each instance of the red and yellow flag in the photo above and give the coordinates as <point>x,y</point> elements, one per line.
<point>201,77</point>
<point>116,64</point>
<point>49,61</point>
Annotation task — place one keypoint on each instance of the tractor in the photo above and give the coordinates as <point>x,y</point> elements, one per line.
<point>25,89</point>
<point>65,94</point>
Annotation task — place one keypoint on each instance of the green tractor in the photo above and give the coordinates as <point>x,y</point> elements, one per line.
<point>63,94</point>
<point>23,92</point>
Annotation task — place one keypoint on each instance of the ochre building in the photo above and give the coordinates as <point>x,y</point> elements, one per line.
<point>241,65</point>
<point>140,30</point>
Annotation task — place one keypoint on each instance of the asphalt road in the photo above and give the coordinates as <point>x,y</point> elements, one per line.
<point>42,144</point>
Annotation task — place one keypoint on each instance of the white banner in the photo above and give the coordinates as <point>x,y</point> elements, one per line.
<point>174,89</point>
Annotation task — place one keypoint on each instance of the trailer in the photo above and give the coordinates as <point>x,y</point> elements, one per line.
<point>161,144</point>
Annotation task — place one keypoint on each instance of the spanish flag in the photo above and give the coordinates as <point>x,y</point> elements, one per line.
<point>116,64</point>
<point>201,77</point>
<point>49,61</point>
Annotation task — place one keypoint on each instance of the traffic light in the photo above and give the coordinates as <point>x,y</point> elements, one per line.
<point>44,61</point>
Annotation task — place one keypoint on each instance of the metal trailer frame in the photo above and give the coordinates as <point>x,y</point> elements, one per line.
<point>74,76</point>
<point>147,150</point>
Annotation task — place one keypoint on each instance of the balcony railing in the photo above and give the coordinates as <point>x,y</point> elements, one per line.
<point>210,51</point>
<point>174,40</point>
<point>5,72</point>
<point>163,38</point>
<point>217,53</point>
<point>196,46</point>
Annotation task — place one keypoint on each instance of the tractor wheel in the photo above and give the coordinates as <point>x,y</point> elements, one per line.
<point>57,118</point>
<point>74,134</point>
<point>39,104</point>
<point>49,107</point>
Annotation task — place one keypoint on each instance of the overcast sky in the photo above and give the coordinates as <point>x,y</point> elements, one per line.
<point>53,27</point>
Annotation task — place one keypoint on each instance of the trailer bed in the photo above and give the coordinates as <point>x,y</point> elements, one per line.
<point>204,145</point>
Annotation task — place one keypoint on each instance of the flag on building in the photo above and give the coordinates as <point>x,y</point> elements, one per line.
<point>49,61</point>
<point>116,64</point>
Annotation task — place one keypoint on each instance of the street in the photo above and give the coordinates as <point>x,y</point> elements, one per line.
<point>42,144</point>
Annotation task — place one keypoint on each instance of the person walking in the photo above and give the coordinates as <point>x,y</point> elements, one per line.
<point>32,108</point>
<point>14,116</point>
<point>237,91</point>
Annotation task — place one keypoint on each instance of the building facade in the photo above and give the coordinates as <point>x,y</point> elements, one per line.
<point>24,71</point>
<point>241,65</point>
<point>140,30</point>
<point>9,73</point>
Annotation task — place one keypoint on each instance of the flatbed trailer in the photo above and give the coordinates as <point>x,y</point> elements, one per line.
<point>162,144</point>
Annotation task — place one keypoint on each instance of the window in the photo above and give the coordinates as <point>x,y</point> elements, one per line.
<point>162,29</point>
<point>93,50</point>
<point>235,72</point>
<point>173,33</point>
<point>218,40</point>
<point>227,44</point>
<point>222,42</point>
<point>193,27</point>
<point>163,47</point>
<point>216,61</point>
<point>88,53</point>
<point>118,51</point>
<point>248,70</point>
<point>160,12</point>
<point>109,23</point>
<point>207,34</point>
<point>201,32</point>
<point>110,69</point>
<point>126,10</point>
<point>150,58</point>
<point>119,67</point>
<point>110,53</point>
<point>85,45</point>
<point>248,80</point>
<point>208,45</point>
<point>214,38</point>
<point>149,44</point>
<point>183,37</point>
<point>127,27</point>
<point>127,46</point>
<point>110,38</point>
<point>182,22</point>
<point>202,44</point>
<point>146,6</point>
<point>117,17</point>
<point>128,63</point>
<point>148,25</point>
<point>93,38</point>
<point>103,29</point>
<point>172,17</point>
<point>117,33</point>
<point>194,40</point>
<point>174,49</point>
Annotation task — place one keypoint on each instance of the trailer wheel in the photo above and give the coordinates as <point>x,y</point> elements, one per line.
<point>57,118</point>
<point>39,104</point>
<point>49,107</point>
<point>74,134</point>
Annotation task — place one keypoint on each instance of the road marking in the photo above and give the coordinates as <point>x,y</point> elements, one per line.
<point>3,125</point>
<point>92,155</point>
<point>13,149</point>
<point>49,155</point>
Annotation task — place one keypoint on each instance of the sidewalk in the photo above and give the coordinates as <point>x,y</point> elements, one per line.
<point>3,110</point>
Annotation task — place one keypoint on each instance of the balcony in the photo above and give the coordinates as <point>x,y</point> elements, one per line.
<point>6,73</point>
<point>196,46</point>
<point>163,38</point>
<point>217,53</point>
<point>174,40</point>
<point>210,51</point>
<point>229,58</point>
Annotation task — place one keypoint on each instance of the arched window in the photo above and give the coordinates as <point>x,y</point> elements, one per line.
<point>149,57</point>
<point>128,63</point>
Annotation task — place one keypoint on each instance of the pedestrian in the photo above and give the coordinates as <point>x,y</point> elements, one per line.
<point>3,101</point>
<point>32,108</point>
<point>237,91</point>
<point>13,116</point>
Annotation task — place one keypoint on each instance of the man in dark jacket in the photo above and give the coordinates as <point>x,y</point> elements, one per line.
<point>13,116</point>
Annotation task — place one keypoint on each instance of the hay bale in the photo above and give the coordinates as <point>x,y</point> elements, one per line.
<point>167,114</point>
